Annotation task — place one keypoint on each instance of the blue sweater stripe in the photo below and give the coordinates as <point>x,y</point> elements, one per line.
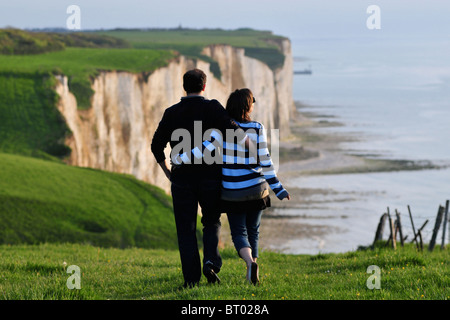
<point>239,170</point>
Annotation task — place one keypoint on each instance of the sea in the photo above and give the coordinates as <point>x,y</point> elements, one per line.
<point>392,95</point>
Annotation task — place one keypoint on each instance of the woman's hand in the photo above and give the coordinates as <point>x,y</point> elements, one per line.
<point>284,195</point>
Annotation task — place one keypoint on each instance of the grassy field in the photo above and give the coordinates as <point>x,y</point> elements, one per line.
<point>261,45</point>
<point>45,201</point>
<point>203,37</point>
<point>81,64</point>
<point>40,272</point>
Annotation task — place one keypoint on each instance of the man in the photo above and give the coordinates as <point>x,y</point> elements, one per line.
<point>197,183</point>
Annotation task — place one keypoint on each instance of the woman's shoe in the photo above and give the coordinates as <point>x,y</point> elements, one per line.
<point>254,273</point>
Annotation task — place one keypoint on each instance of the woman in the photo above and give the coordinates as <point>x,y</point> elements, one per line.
<point>247,175</point>
<point>246,179</point>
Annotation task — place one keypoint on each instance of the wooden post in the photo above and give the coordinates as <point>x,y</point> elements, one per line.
<point>391,226</point>
<point>420,229</point>
<point>395,229</point>
<point>380,229</point>
<point>445,224</point>
<point>414,230</point>
<point>419,233</point>
<point>436,228</point>
<point>399,227</point>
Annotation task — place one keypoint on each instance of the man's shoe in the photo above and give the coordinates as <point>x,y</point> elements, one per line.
<point>210,274</point>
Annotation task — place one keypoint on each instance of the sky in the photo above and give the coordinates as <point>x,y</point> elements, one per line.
<point>291,18</point>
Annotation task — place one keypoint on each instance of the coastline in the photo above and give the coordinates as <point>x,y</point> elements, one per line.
<point>307,153</point>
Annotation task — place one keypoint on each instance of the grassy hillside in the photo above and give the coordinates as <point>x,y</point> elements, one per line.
<point>39,272</point>
<point>30,123</point>
<point>44,201</point>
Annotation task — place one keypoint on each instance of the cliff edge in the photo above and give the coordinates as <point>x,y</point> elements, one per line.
<point>115,133</point>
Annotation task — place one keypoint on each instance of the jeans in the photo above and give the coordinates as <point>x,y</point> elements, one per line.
<point>244,228</point>
<point>187,194</point>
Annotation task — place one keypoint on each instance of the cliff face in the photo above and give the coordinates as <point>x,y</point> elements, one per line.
<point>116,132</point>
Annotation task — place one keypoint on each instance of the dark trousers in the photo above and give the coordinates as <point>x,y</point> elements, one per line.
<point>187,194</point>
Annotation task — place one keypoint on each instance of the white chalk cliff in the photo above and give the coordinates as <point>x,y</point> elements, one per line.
<point>115,133</point>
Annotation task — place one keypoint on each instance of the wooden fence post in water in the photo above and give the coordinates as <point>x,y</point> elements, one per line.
<point>445,224</point>
<point>436,228</point>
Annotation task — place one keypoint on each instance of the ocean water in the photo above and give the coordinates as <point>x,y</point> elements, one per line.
<point>392,93</point>
<point>393,90</point>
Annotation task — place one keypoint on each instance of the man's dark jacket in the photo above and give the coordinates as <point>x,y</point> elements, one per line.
<point>183,116</point>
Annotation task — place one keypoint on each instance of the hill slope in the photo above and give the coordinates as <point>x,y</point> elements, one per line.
<point>45,201</point>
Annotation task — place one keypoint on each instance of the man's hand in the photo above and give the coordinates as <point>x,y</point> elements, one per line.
<point>165,168</point>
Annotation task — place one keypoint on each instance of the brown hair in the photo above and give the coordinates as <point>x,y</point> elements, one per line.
<point>194,81</point>
<point>239,104</point>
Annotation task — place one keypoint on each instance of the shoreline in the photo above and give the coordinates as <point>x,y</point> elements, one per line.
<point>307,152</point>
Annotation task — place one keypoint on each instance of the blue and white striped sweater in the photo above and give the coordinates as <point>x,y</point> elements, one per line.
<point>242,169</point>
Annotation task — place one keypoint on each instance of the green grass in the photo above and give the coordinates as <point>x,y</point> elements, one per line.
<point>121,234</point>
<point>76,61</point>
<point>16,41</point>
<point>45,201</point>
<point>30,123</point>
<point>238,38</point>
<point>261,45</point>
<point>82,64</point>
<point>39,272</point>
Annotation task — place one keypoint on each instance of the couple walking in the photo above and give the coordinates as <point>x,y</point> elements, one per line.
<point>238,186</point>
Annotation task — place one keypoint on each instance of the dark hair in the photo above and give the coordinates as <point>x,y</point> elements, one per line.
<point>239,104</point>
<point>194,81</point>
